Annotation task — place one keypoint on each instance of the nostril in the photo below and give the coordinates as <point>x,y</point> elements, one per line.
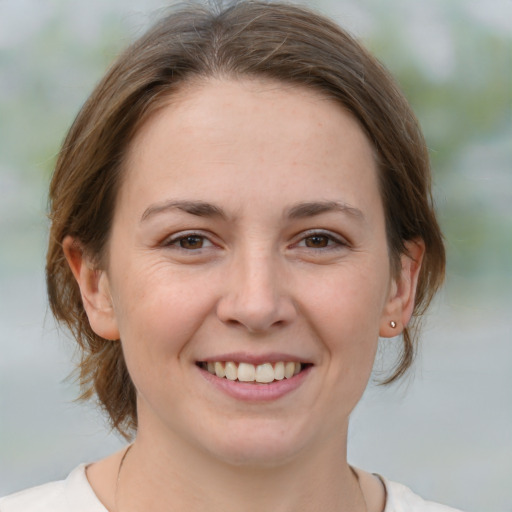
<point>256,304</point>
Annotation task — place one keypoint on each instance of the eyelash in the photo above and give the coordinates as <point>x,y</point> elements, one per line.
<point>176,240</point>
<point>333,242</point>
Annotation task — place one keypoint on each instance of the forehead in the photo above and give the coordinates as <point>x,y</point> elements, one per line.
<point>201,103</point>
<point>215,135</point>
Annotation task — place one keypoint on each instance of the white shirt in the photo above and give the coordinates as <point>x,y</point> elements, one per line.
<point>74,494</point>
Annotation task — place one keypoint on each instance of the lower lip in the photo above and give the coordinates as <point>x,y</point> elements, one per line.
<point>255,392</point>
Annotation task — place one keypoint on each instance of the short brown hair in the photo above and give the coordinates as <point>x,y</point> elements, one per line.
<point>277,41</point>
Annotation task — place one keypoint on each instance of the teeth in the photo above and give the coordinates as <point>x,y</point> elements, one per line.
<point>264,373</point>
<point>231,371</point>
<point>289,370</point>
<point>219,370</point>
<point>246,372</point>
<point>279,371</point>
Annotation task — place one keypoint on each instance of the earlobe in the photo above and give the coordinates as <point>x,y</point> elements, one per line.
<point>94,288</point>
<point>401,300</point>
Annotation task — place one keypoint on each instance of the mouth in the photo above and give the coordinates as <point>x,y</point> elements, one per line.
<point>265,373</point>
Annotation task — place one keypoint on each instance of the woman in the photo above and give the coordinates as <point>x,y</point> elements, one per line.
<point>239,211</point>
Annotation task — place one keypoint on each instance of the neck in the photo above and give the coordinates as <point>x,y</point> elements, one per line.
<point>155,475</point>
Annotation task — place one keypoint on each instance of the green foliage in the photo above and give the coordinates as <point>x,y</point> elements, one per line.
<point>454,68</point>
<point>464,106</point>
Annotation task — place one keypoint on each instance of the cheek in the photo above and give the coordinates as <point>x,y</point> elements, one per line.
<point>350,301</point>
<point>346,314</point>
<point>158,314</point>
<point>152,294</point>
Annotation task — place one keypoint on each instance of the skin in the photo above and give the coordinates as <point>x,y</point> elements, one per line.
<point>261,274</point>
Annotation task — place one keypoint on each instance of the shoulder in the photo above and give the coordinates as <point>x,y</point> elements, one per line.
<point>401,499</point>
<point>73,494</point>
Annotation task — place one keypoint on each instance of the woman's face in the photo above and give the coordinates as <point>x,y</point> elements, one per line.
<point>248,229</point>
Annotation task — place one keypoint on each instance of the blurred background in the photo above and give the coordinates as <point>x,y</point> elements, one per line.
<point>446,430</point>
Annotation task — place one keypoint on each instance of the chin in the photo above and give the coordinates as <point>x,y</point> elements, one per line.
<point>258,445</point>
<point>257,455</point>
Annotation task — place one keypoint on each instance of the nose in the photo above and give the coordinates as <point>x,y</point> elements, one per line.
<point>257,295</point>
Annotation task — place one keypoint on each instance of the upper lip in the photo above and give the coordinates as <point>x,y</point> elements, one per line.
<point>245,357</point>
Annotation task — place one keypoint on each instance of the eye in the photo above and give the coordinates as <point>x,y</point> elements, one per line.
<point>317,241</point>
<point>321,240</point>
<point>192,242</point>
<point>189,242</point>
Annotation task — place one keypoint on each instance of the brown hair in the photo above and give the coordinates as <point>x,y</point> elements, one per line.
<point>246,39</point>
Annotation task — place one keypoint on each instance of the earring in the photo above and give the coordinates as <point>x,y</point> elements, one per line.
<point>392,324</point>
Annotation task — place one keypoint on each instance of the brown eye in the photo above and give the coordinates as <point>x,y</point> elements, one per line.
<point>191,242</point>
<point>317,241</point>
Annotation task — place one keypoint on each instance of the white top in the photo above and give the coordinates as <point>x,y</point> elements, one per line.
<point>76,495</point>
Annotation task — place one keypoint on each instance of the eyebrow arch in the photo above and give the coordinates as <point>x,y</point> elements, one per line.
<point>199,208</point>
<point>311,209</point>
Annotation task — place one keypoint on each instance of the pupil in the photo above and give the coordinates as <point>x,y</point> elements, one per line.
<point>316,241</point>
<point>191,242</point>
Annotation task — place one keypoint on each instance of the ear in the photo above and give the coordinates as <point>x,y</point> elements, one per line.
<point>401,300</point>
<point>94,288</point>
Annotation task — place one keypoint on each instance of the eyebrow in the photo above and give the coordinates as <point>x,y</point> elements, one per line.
<point>304,210</point>
<point>198,208</point>
<point>298,211</point>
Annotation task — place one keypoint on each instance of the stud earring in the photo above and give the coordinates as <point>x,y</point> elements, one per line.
<point>392,323</point>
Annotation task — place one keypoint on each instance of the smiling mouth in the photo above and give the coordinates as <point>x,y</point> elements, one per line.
<point>265,373</point>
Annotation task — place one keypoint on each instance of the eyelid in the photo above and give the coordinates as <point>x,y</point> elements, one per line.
<point>174,239</point>
<point>339,240</point>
